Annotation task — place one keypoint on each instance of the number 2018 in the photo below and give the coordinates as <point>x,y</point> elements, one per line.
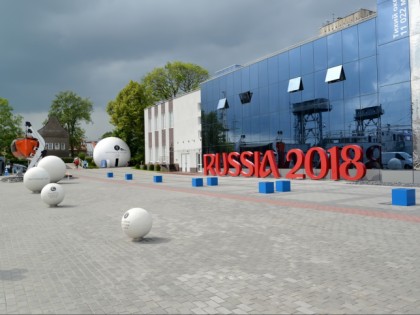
<point>350,155</point>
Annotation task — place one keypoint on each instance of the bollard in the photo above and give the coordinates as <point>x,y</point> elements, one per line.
<point>109,174</point>
<point>197,182</point>
<point>283,185</point>
<point>157,179</point>
<point>128,176</point>
<point>266,187</point>
<point>212,181</point>
<point>403,197</point>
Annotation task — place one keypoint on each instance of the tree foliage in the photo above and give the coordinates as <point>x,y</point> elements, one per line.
<point>127,110</point>
<point>107,134</point>
<point>173,79</point>
<point>10,127</point>
<point>71,110</point>
<point>213,133</point>
<point>127,115</point>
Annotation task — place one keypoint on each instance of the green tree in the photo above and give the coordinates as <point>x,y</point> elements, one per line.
<point>71,110</point>
<point>107,134</point>
<point>127,115</point>
<point>10,127</point>
<point>174,79</point>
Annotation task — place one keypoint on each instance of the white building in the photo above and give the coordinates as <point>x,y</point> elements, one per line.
<point>173,133</point>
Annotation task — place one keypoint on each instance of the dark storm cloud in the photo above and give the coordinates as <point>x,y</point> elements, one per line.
<point>95,47</point>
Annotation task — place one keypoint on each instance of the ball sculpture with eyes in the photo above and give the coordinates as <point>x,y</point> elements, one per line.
<point>52,194</point>
<point>136,223</point>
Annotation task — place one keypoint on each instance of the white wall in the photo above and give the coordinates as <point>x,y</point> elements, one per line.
<point>187,131</point>
<point>155,151</point>
<point>186,124</point>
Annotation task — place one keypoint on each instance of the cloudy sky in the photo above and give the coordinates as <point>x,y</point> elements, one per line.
<point>96,47</point>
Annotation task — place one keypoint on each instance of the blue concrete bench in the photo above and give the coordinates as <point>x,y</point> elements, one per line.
<point>212,181</point>
<point>403,197</point>
<point>283,185</point>
<point>128,176</point>
<point>157,179</point>
<point>266,187</point>
<point>109,174</point>
<point>197,182</point>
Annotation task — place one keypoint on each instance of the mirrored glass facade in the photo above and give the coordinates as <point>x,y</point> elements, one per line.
<point>369,104</point>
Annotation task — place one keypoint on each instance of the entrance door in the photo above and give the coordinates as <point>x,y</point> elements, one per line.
<point>185,162</point>
<point>116,162</point>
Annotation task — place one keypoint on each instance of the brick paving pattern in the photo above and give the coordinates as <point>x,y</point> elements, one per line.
<point>324,247</point>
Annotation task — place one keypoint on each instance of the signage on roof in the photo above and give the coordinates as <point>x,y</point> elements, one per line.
<point>400,18</point>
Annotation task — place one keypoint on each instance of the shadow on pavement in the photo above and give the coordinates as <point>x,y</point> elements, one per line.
<point>152,240</point>
<point>15,274</point>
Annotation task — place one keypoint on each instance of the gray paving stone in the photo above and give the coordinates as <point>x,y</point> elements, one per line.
<point>327,247</point>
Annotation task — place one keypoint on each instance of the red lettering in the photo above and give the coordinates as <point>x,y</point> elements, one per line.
<point>324,164</point>
<point>233,161</point>
<point>271,160</point>
<point>298,163</point>
<point>247,163</point>
<point>257,163</point>
<point>225,164</point>
<point>355,161</point>
<point>262,166</point>
<point>208,161</point>
<point>334,162</point>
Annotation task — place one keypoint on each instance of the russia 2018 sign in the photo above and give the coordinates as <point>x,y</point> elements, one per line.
<point>255,164</point>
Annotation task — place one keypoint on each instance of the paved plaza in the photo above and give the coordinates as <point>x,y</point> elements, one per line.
<point>324,247</point>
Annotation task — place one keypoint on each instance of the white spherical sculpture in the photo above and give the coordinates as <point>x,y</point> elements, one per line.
<point>114,151</point>
<point>36,178</point>
<point>394,164</point>
<point>136,222</point>
<point>52,194</point>
<point>54,166</point>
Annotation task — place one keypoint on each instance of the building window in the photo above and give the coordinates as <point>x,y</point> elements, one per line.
<point>223,103</point>
<point>63,146</point>
<point>164,154</point>
<point>295,85</point>
<point>150,124</point>
<point>56,146</point>
<point>245,97</point>
<point>171,119</point>
<point>163,121</point>
<point>335,74</point>
<point>156,123</point>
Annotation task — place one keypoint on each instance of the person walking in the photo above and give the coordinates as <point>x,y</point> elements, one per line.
<point>76,162</point>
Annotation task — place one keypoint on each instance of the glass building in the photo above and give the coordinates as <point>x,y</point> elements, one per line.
<point>355,85</point>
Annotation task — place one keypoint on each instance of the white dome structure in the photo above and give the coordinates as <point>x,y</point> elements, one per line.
<point>111,152</point>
